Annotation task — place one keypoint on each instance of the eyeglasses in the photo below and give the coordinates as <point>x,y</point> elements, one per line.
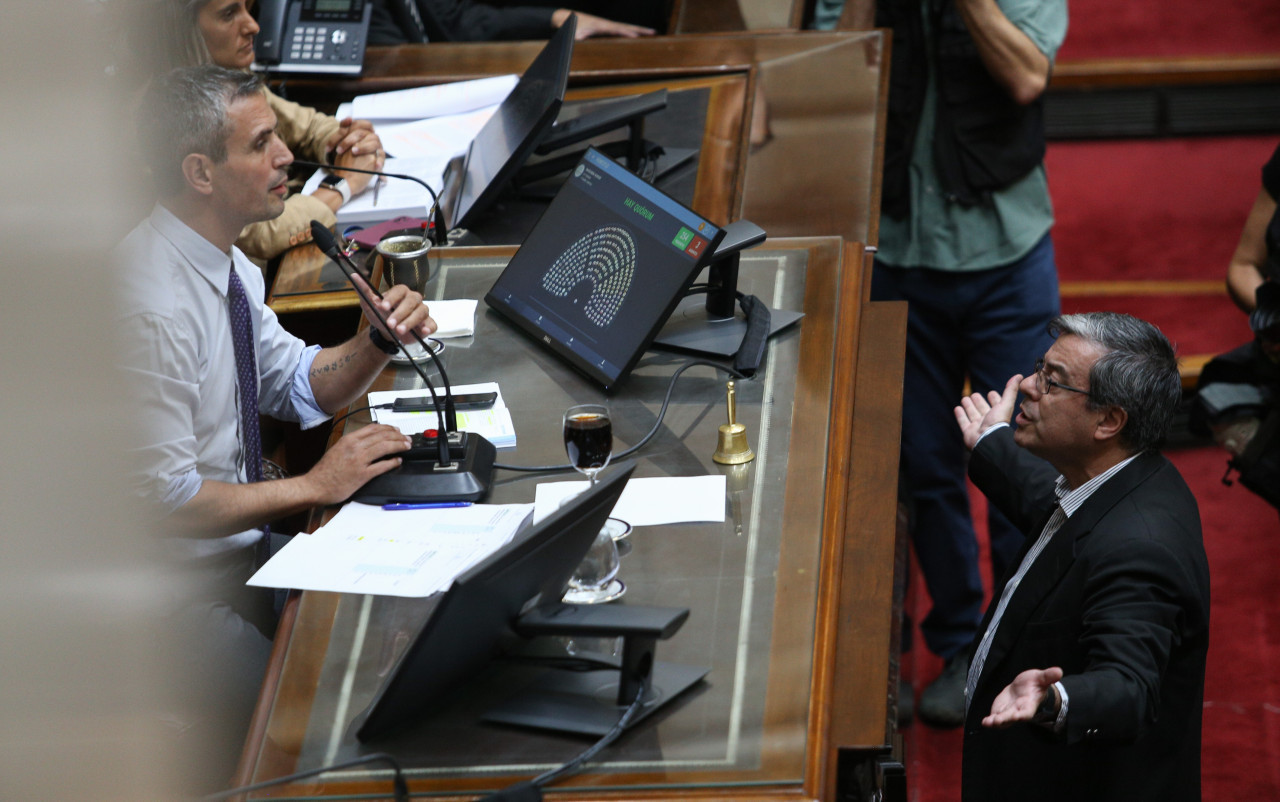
<point>1044,384</point>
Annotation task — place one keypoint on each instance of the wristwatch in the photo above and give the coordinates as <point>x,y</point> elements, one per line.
<point>383,344</point>
<point>1047,712</point>
<point>338,184</point>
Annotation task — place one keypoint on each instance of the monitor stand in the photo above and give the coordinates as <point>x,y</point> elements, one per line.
<point>592,702</point>
<point>691,328</point>
<point>586,702</point>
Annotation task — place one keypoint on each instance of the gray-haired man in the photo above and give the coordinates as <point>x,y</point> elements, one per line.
<point>204,356</point>
<point>1088,680</point>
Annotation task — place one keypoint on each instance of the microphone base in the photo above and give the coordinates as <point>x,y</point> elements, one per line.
<point>422,480</point>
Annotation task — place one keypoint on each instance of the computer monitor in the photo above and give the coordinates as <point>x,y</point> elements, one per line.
<point>603,268</point>
<point>466,626</point>
<point>511,134</point>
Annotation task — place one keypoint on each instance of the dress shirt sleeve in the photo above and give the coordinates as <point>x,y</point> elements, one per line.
<point>992,428</point>
<point>1060,722</point>
<point>284,362</point>
<point>159,357</point>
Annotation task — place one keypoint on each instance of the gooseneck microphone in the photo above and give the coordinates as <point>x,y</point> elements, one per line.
<point>462,469</point>
<point>438,236</point>
<point>445,422</point>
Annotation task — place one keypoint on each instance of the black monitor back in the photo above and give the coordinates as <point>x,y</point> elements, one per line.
<point>463,631</point>
<point>511,134</point>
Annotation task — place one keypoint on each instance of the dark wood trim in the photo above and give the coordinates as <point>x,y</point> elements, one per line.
<point>1165,71</point>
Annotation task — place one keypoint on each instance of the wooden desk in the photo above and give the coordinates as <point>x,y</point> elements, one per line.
<point>816,174</point>
<point>791,598</point>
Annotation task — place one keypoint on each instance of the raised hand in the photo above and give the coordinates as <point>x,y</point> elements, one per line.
<point>976,414</point>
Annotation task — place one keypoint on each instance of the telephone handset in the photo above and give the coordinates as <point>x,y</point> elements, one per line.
<point>317,36</point>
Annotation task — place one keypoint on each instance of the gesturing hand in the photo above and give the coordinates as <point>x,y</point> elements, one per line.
<point>1020,698</point>
<point>977,414</point>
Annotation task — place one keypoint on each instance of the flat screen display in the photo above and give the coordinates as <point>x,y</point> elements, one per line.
<point>514,130</point>
<point>603,268</point>
<point>463,630</point>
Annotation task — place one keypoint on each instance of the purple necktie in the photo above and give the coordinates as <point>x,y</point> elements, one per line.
<point>247,379</point>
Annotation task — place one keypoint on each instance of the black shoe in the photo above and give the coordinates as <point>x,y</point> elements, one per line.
<point>942,703</point>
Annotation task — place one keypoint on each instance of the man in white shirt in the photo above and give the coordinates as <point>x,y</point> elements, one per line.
<point>204,355</point>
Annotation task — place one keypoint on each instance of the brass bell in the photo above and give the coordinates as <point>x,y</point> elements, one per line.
<point>732,448</point>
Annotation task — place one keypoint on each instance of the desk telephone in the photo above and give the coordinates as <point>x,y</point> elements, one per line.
<point>313,36</point>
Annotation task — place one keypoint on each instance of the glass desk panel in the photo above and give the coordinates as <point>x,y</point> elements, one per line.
<point>750,582</point>
<point>818,172</point>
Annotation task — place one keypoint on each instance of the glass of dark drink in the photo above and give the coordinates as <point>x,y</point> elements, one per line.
<point>588,438</point>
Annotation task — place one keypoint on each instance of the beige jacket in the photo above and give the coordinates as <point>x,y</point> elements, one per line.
<point>305,131</point>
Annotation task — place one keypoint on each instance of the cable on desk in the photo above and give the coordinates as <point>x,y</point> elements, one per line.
<point>531,790</point>
<point>339,419</point>
<point>666,401</point>
<point>575,765</point>
<point>400,788</point>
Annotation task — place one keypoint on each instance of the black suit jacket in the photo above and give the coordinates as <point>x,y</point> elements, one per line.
<point>457,21</point>
<point>1119,599</point>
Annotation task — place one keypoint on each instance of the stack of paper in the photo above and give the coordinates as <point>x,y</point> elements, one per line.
<point>368,549</point>
<point>494,424</point>
<point>421,130</point>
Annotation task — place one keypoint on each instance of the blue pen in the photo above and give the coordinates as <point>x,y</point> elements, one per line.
<point>433,505</point>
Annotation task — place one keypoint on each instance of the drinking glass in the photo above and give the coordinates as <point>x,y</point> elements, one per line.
<point>588,438</point>
<point>595,580</point>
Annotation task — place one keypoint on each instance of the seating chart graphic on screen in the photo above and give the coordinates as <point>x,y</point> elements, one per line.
<point>595,272</point>
<point>603,268</point>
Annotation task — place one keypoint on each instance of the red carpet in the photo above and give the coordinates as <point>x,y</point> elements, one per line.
<point>1167,210</point>
<point>1152,209</point>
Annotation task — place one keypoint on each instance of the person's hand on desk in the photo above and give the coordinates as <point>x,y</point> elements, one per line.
<point>590,25</point>
<point>355,459</point>
<point>402,308</point>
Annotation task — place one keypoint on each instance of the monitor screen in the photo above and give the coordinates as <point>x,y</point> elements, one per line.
<point>603,268</point>
<point>511,134</point>
<point>465,627</point>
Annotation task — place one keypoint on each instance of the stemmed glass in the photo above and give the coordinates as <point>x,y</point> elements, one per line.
<point>588,440</point>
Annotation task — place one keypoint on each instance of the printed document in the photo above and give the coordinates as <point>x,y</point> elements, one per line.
<point>366,549</point>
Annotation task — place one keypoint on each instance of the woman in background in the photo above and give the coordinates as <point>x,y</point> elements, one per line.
<point>222,32</point>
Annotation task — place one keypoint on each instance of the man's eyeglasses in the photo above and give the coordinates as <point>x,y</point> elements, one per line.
<point>1044,384</point>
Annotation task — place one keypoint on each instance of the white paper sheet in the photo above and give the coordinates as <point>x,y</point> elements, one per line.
<point>366,549</point>
<point>649,501</point>
<point>434,101</point>
<point>435,137</point>
<point>396,196</point>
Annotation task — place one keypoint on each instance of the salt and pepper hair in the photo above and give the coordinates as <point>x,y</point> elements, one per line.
<point>1138,373</point>
<point>185,112</point>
